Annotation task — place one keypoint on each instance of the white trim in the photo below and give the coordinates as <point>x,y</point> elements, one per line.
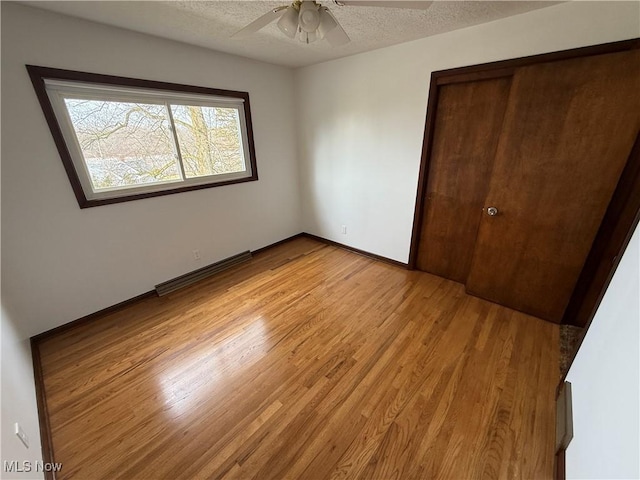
<point>117,192</point>
<point>58,91</point>
<point>101,91</point>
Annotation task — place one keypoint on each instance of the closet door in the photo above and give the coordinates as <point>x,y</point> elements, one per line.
<point>568,130</point>
<point>468,122</point>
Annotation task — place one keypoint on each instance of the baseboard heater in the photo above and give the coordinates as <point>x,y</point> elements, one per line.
<point>204,272</point>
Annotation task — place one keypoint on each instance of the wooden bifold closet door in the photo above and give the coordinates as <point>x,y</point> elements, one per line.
<point>467,130</point>
<point>522,169</point>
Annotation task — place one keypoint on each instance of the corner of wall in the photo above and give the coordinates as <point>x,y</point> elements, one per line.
<point>18,399</point>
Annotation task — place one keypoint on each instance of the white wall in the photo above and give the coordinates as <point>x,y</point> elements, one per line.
<point>605,380</point>
<point>18,398</point>
<point>61,262</point>
<point>361,118</point>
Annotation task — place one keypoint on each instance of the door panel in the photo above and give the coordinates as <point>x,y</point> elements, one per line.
<point>468,123</point>
<point>615,232</point>
<point>568,131</point>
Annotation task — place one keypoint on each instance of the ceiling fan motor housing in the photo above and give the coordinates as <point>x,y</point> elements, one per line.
<point>309,16</point>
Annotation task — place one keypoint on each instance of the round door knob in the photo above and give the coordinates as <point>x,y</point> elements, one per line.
<point>492,211</point>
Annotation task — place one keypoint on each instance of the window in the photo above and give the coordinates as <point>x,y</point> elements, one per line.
<point>123,139</point>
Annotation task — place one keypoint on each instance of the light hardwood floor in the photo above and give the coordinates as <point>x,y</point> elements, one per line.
<point>309,362</point>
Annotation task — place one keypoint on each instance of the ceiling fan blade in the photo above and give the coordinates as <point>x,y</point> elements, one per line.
<point>388,4</point>
<point>261,22</point>
<point>336,36</point>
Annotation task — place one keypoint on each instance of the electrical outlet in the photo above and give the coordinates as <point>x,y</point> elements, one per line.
<point>21,435</point>
<point>344,229</point>
<point>196,254</point>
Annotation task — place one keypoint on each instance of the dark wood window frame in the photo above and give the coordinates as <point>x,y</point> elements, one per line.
<point>38,76</point>
<point>623,213</point>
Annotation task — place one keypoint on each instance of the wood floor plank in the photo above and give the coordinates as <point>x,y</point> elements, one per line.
<point>310,362</point>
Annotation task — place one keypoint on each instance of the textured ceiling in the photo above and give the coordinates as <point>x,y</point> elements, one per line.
<point>211,23</point>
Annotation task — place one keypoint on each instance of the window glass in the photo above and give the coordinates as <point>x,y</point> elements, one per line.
<point>124,144</point>
<point>209,139</point>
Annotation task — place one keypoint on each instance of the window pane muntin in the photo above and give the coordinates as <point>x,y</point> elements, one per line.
<point>210,140</point>
<point>123,145</point>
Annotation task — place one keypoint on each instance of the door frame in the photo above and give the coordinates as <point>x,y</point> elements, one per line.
<point>579,300</point>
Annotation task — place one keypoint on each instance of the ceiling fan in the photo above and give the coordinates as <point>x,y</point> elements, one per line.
<point>311,21</point>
